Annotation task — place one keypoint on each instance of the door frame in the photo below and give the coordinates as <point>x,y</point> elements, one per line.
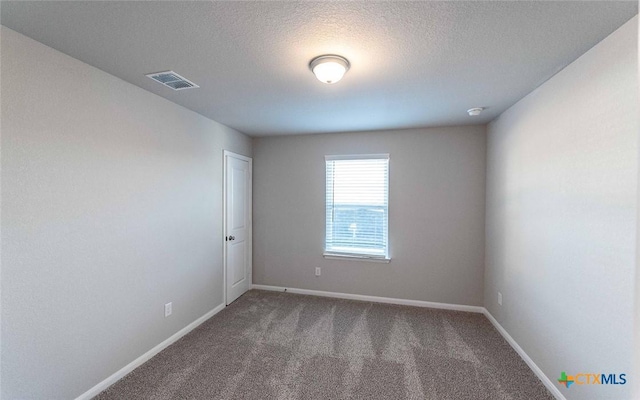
<point>225,154</point>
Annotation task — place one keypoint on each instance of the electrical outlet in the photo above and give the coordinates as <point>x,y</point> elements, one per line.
<point>318,271</point>
<point>168,309</point>
<point>499,298</point>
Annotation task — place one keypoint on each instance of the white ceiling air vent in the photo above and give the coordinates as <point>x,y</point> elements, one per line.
<point>172,80</point>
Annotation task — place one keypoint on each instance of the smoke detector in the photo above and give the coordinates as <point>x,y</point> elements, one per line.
<point>475,111</point>
<point>172,80</point>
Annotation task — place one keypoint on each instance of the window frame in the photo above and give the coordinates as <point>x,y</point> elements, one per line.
<point>338,255</point>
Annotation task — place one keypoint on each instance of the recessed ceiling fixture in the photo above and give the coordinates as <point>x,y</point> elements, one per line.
<point>329,68</point>
<point>475,111</point>
<point>172,80</point>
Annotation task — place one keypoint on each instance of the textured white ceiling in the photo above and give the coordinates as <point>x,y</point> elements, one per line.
<point>413,64</point>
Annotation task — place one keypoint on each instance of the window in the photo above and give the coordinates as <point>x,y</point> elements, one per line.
<point>357,211</point>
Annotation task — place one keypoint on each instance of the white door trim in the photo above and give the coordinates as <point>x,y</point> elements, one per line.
<point>225,154</point>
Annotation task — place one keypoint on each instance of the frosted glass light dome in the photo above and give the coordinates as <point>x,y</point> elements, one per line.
<point>329,68</point>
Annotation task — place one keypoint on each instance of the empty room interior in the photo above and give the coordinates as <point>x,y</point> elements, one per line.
<point>319,200</point>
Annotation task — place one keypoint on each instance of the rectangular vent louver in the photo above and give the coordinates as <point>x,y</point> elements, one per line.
<point>172,80</point>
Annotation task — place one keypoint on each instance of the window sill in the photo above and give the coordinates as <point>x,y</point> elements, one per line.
<point>334,256</point>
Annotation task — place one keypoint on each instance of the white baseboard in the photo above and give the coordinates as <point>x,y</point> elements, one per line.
<point>375,299</point>
<point>536,370</point>
<point>147,356</point>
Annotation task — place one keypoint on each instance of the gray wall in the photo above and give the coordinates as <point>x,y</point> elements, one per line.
<point>111,207</point>
<point>562,172</point>
<point>436,214</point>
<point>636,382</point>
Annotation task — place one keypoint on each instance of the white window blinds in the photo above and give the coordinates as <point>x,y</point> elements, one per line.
<point>357,208</point>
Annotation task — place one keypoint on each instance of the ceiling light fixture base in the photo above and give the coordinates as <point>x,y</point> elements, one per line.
<point>329,68</point>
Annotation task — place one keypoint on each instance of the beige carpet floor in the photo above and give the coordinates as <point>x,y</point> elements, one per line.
<point>270,345</point>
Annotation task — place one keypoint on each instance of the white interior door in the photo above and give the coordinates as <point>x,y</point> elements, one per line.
<point>237,225</point>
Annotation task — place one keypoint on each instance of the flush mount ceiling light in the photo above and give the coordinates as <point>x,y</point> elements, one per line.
<point>475,111</point>
<point>329,68</point>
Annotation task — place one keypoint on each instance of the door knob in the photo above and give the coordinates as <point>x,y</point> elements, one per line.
<point>232,238</point>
